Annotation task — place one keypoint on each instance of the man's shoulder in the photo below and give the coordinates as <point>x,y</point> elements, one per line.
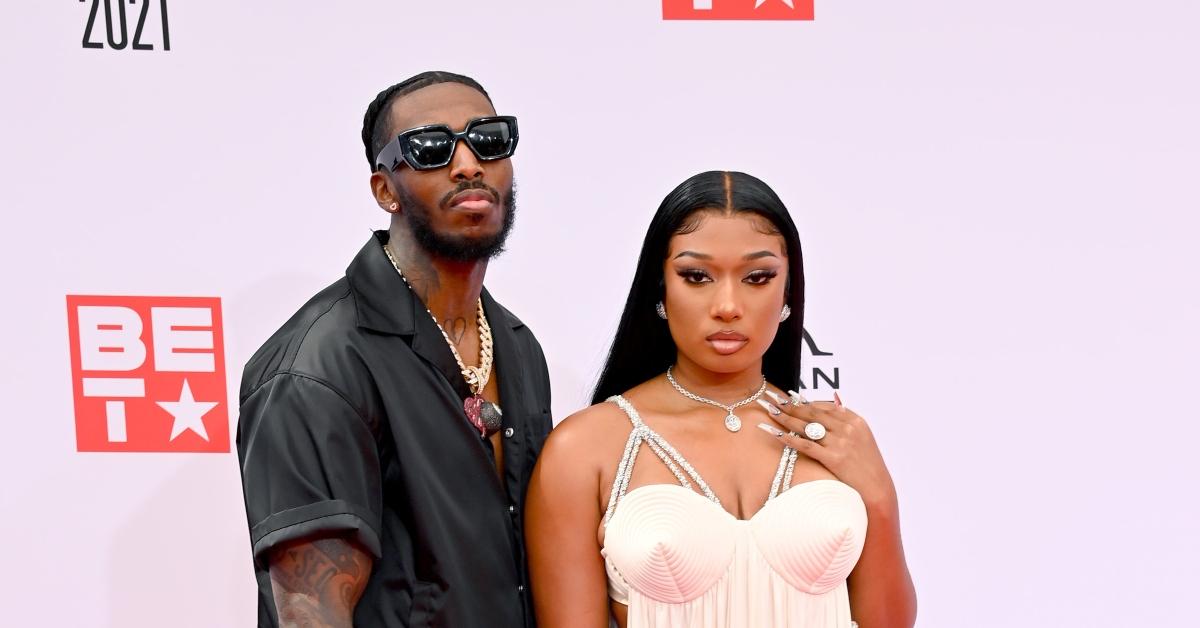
<point>324,323</point>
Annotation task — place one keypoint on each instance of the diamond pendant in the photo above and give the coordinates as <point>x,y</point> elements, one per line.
<point>491,417</point>
<point>484,415</point>
<point>733,423</point>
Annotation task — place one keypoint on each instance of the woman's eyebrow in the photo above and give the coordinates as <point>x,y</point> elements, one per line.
<point>707,257</point>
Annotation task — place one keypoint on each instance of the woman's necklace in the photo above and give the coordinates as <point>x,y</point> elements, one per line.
<point>732,422</point>
<point>483,414</point>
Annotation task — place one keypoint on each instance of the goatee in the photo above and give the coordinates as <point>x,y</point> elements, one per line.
<point>459,248</point>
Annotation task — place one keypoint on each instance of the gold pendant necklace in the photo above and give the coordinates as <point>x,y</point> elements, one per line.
<point>484,415</point>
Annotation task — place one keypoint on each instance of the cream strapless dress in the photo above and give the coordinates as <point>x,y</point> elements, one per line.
<point>678,559</point>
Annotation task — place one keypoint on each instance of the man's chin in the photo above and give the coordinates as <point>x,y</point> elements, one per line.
<point>463,236</point>
<point>468,247</point>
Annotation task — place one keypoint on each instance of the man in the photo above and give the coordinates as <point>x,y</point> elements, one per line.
<point>385,460</point>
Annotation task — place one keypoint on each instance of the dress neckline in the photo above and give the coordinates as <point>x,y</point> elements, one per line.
<point>678,465</point>
<point>797,489</point>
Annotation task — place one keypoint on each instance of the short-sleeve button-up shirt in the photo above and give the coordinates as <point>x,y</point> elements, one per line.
<point>352,424</point>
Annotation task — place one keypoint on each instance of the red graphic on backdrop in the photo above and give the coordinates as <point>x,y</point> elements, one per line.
<point>148,374</point>
<point>737,9</point>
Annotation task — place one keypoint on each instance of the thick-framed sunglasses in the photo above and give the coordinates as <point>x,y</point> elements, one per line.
<point>431,147</point>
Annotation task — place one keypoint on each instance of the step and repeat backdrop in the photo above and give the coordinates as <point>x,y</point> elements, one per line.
<point>998,205</point>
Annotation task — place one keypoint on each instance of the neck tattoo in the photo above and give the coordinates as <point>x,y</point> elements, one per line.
<point>484,415</point>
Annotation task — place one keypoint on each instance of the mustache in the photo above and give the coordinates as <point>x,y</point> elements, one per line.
<point>470,185</point>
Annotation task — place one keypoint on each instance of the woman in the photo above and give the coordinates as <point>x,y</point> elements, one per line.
<point>655,505</point>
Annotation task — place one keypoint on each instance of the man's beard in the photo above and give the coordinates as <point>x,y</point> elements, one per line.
<point>456,248</point>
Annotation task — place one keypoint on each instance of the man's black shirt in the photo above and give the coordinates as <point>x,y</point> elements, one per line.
<point>352,424</point>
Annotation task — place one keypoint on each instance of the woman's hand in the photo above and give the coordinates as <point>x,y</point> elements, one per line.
<point>847,448</point>
<point>881,588</point>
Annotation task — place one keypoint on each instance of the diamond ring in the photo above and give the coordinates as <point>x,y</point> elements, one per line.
<point>814,431</point>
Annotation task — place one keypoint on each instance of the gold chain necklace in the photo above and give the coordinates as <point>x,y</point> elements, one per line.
<point>483,414</point>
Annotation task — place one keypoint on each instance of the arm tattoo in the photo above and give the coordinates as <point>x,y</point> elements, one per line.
<point>317,583</point>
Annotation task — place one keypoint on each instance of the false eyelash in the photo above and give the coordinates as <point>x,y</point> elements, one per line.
<point>763,275</point>
<point>693,275</point>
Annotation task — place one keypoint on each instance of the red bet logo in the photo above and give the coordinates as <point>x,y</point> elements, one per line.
<point>148,374</point>
<point>737,9</point>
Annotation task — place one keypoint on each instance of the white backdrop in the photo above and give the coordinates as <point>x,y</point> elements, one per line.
<point>998,203</point>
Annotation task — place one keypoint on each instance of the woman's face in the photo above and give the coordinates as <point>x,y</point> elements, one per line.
<point>724,290</point>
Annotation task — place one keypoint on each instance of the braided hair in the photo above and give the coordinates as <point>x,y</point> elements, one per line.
<point>375,134</point>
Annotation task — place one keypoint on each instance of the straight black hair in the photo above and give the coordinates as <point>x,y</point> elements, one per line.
<point>643,347</point>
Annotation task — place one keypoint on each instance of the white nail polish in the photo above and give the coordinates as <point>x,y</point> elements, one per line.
<point>772,410</point>
<point>797,397</point>
<point>779,400</point>
<point>770,429</point>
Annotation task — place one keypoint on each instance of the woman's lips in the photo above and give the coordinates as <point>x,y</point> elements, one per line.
<point>727,342</point>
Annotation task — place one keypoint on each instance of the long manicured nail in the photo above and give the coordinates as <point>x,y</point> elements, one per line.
<point>779,400</point>
<point>797,397</point>
<point>772,410</point>
<point>837,399</point>
<point>771,429</point>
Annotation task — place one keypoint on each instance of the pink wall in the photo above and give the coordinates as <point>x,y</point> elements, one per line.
<point>998,204</point>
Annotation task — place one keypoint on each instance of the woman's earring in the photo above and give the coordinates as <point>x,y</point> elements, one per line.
<point>662,311</point>
<point>785,313</point>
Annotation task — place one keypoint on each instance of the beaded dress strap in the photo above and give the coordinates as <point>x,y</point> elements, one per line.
<point>783,475</point>
<point>674,461</point>
<point>680,467</point>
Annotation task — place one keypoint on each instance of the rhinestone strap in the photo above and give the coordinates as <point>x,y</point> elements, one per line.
<point>778,479</point>
<point>783,475</point>
<point>791,466</point>
<point>624,469</point>
<point>678,465</point>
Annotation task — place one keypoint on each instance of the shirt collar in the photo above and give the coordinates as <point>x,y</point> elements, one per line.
<point>384,302</point>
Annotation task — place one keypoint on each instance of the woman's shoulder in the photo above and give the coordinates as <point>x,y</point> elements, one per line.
<point>590,434</point>
<point>591,422</point>
<point>593,431</point>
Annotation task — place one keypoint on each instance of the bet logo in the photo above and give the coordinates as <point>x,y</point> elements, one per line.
<point>737,9</point>
<point>148,374</point>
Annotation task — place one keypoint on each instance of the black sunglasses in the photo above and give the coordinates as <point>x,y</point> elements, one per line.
<point>430,147</point>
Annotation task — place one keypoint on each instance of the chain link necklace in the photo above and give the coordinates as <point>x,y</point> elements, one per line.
<point>732,422</point>
<point>483,414</point>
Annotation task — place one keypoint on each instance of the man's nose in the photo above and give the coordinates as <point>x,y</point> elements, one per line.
<point>464,165</point>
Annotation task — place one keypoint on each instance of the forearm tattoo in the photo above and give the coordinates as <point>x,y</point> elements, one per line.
<point>317,583</point>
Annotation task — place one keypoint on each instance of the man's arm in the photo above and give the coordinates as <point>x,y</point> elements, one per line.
<point>317,582</point>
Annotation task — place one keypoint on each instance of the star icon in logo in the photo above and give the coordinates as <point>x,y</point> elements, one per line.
<point>188,413</point>
<point>759,3</point>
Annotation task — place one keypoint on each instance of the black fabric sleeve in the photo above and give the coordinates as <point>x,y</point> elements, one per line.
<point>310,466</point>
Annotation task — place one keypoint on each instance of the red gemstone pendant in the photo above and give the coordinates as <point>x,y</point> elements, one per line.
<point>473,406</point>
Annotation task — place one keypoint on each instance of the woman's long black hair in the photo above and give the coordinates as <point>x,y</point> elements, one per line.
<point>643,347</point>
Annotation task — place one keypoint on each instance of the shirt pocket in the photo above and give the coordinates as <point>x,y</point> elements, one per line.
<point>538,429</point>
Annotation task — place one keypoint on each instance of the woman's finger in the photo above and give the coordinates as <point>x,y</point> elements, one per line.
<point>784,418</point>
<point>824,412</point>
<point>799,443</point>
<point>812,430</point>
